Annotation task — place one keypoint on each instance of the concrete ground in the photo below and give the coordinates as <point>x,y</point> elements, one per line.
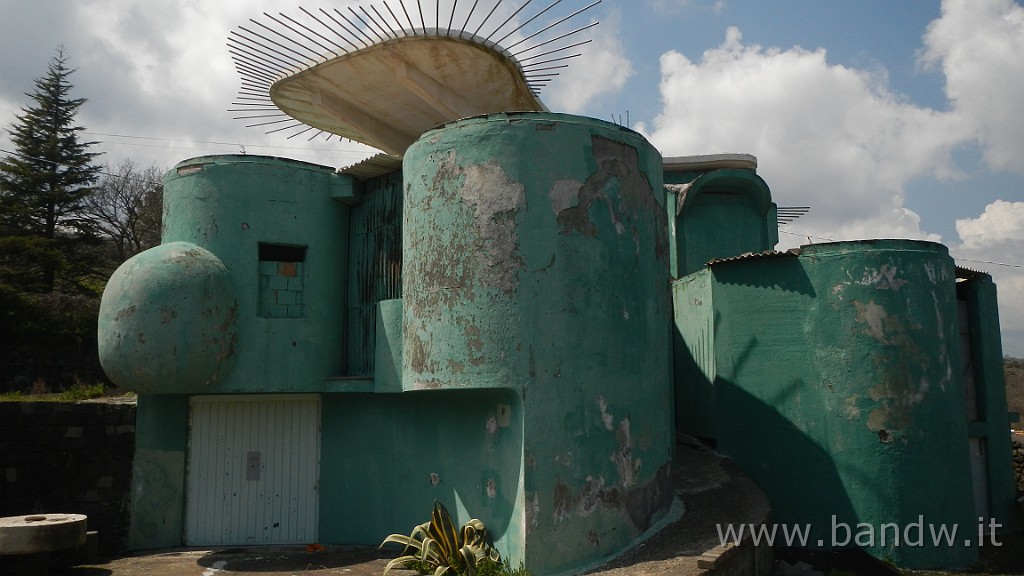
<point>710,489</point>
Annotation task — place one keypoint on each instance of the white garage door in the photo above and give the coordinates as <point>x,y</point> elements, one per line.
<point>253,470</point>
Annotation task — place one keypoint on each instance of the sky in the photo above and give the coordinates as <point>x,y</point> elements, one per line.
<point>890,119</point>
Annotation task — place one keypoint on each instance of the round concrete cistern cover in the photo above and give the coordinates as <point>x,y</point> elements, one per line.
<point>41,533</point>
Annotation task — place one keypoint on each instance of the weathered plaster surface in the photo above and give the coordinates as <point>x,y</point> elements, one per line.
<point>861,394</point>
<point>537,261</point>
<point>168,321</point>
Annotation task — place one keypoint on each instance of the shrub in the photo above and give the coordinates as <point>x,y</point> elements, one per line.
<point>437,547</point>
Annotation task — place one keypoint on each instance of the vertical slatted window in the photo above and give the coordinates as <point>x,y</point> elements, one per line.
<point>375,255</point>
<point>253,470</point>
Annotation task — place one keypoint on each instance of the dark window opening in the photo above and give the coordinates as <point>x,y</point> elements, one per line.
<point>282,253</point>
<point>282,272</point>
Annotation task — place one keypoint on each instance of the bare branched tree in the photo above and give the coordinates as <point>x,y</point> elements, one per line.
<point>127,207</point>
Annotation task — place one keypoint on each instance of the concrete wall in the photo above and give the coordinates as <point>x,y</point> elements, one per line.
<point>217,308</point>
<point>836,387</point>
<point>495,335</point>
<point>734,201</point>
<point>158,472</point>
<point>69,458</point>
<point>978,293</point>
<point>537,262</point>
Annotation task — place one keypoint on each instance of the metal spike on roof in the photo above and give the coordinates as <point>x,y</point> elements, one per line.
<point>272,47</point>
<point>786,214</point>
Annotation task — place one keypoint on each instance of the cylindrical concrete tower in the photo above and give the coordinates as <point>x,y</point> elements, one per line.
<point>534,246</point>
<point>895,421</point>
<point>536,260</point>
<point>254,258</point>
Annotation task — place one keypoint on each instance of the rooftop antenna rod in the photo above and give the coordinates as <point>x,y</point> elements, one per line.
<point>549,52</point>
<point>301,34</point>
<point>371,24</point>
<point>272,31</point>
<point>397,21</point>
<point>250,47</point>
<point>552,25</point>
<point>412,26</point>
<point>254,59</point>
<point>468,16</point>
<point>488,17</point>
<point>390,31</point>
<point>365,25</point>
<point>451,18</point>
<point>357,28</point>
<point>318,21</point>
<point>347,31</point>
<point>542,62</point>
<point>566,35</point>
<point>374,20</point>
<point>524,24</point>
<point>527,3</point>
<point>294,62</point>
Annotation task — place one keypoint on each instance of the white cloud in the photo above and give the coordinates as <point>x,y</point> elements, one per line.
<point>828,136</point>
<point>994,242</point>
<point>670,6</point>
<point>838,139</point>
<point>978,45</point>
<point>603,68</point>
<point>1002,223</point>
<point>158,72</point>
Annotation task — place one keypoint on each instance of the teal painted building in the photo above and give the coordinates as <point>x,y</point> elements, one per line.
<point>517,320</point>
<point>487,324</point>
<point>516,313</point>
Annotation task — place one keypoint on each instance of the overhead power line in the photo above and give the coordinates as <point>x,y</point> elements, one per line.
<point>102,172</point>
<point>211,142</point>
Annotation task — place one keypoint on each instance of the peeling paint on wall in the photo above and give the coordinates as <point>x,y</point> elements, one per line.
<point>531,512</point>
<point>606,418</point>
<point>623,455</point>
<point>640,504</point>
<point>875,318</point>
<point>621,187</point>
<point>495,199</point>
<point>565,194</point>
<point>883,278</point>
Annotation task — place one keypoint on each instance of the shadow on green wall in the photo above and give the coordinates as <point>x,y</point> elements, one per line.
<point>386,457</point>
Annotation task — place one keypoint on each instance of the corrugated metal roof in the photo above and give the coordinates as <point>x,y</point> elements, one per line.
<point>757,256</point>
<point>968,274</point>
<point>373,166</point>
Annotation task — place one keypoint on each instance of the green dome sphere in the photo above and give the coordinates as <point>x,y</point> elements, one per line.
<point>168,321</point>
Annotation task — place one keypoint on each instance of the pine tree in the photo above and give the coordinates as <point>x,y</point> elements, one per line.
<point>45,233</point>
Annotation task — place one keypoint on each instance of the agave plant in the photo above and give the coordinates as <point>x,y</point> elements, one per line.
<point>437,546</point>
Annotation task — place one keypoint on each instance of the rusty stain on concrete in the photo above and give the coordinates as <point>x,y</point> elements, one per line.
<point>640,504</point>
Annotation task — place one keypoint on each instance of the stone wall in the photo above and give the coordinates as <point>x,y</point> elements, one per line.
<point>1018,462</point>
<point>69,458</point>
